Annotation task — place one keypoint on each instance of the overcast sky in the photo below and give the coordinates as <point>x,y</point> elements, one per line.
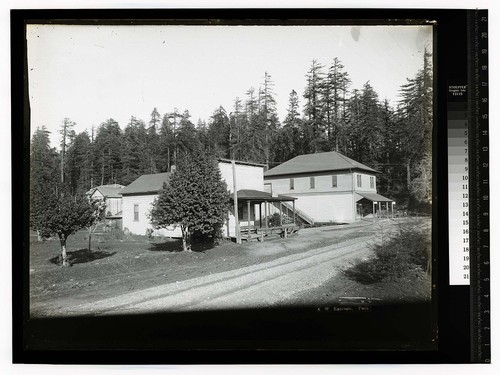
<point>92,73</point>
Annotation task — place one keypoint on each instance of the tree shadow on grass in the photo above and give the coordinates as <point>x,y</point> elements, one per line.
<point>82,256</point>
<point>175,246</point>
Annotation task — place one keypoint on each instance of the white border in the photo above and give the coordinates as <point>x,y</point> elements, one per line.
<point>5,266</point>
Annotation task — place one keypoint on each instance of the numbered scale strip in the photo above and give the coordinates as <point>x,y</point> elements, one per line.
<point>458,184</point>
<point>479,193</point>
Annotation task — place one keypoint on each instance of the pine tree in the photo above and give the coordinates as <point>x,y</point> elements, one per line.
<point>268,116</point>
<point>196,199</point>
<point>313,126</point>
<point>237,123</point>
<point>289,140</point>
<point>167,143</point>
<point>108,150</point>
<point>415,113</point>
<point>44,177</point>
<point>67,135</point>
<point>219,133</point>
<point>135,154</point>
<point>186,136</point>
<point>79,163</point>
<point>334,96</point>
<point>154,141</point>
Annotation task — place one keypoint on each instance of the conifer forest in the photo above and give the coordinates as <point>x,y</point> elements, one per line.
<point>326,114</point>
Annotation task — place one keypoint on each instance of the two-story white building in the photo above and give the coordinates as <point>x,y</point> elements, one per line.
<point>329,187</point>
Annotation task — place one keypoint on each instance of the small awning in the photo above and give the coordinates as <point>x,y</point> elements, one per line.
<point>261,196</point>
<point>374,197</point>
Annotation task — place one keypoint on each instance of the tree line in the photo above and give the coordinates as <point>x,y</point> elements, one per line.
<point>396,140</point>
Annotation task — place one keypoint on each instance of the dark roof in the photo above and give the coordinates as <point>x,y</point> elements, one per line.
<point>148,183</point>
<point>320,162</point>
<point>260,196</point>
<point>109,191</point>
<point>374,197</point>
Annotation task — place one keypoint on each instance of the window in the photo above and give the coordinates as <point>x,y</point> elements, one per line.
<point>372,182</point>
<point>291,184</point>
<point>136,212</point>
<point>359,180</point>
<point>312,182</point>
<point>334,181</point>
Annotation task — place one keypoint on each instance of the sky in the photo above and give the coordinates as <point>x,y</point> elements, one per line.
<point>92,73</point>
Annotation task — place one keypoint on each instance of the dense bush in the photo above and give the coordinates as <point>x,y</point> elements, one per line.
<point>399,256</point>
<point>274,220</point>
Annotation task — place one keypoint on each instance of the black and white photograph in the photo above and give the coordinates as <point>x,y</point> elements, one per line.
<point>214,167</point>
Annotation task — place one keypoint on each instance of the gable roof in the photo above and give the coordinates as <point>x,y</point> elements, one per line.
<point>147,183</point>
<point>109,191</point>
<point>320,162</point>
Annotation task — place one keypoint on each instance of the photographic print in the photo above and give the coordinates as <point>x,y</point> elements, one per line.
<point>217,167</point>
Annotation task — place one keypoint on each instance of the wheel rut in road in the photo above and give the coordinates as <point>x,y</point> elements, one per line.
<point>263,284</point>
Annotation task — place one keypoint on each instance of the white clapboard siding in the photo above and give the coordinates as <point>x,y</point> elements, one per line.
<point>141,226</point>
<point>335,208</point>
<point>247,176</point>
<point>324,202</point>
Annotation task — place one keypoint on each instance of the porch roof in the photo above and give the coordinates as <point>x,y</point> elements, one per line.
<point>374,197</point>
<point>261,196</point>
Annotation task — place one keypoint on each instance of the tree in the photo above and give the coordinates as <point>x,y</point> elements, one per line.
<point>43,177</point>
<point>79,163</point>
<point>108,150</point>
<point>268,116</point>
<point>64,214</point>
<point>415,114</point>
<point>135,159</point>
<point>153,148</point>
<point>237,122</point>
<point>67,134</point>
<point>421,185</point>
<point>196,199</point>
<point>219,134</point>
<point>289,139</point>
<point>334,96</point>
<point>98,214</point>
<point>314,129</point>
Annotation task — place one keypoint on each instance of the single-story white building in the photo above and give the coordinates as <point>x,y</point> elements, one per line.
<point>140,194</point>
<point>329,187</point>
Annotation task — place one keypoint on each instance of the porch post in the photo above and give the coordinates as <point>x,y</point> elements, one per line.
<point>379,209</point>
<point>373,209</point>
<point>387,209</point>
<point>265,215</point>
<point>248,229</point>
<point>235,198</point>
<point>260,214</point>
<point>293,203</point>
<point>392,209</point>
<point>281,214</point>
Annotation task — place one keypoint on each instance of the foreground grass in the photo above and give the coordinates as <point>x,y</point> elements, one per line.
<point>118,265</point>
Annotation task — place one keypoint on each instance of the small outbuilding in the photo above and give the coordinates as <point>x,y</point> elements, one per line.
<point>112,194</point>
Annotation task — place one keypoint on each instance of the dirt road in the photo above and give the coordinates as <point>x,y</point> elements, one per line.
<point>265,284</point>
<point>273,273</point>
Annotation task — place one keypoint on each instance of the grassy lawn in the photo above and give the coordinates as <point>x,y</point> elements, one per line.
<point>120,264</point>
